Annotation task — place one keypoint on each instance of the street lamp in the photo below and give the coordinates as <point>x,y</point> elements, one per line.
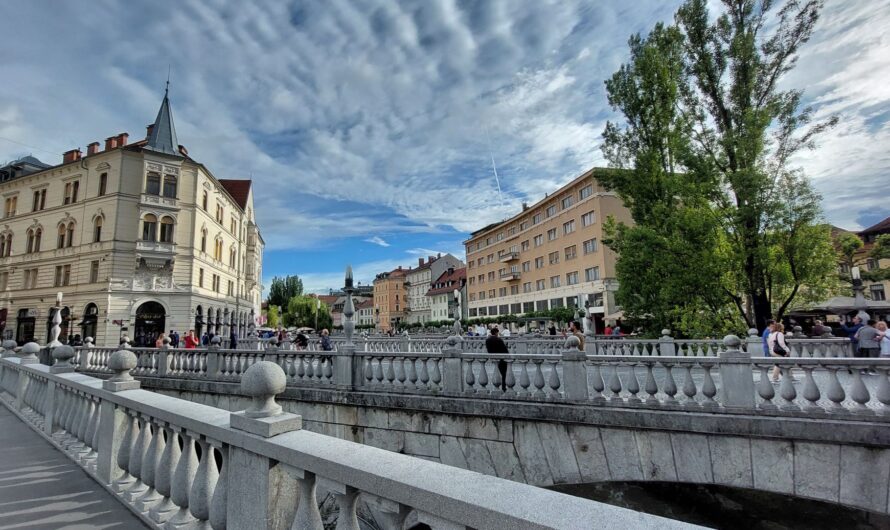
<point>317,308</point>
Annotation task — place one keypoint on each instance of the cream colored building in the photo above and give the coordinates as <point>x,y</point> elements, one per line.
<point>418,283</point>
<point>138,237</point>
<point>549,255</point>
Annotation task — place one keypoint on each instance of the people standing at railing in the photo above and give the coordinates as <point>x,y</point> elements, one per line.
<point>883,338</point>
<point>778,347</point>
<point>851,333</point>
<point>326,344</point>
<point>174,338</point>
<point>302,341</point>
<point>191,341</point>
<point>867,337</point>
<point>495,344</point>
<point>552,328</point>
<point>575,330</point>
<point>160,340</point>
<point>233,339</point>
<point>820,329</point>
<point>765,335</point>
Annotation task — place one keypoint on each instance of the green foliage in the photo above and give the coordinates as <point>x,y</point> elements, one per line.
<point>725,234</point>
<point>273,319</point>
<point>301,313</point>
<point>283,289</point>
<point>849,246</point>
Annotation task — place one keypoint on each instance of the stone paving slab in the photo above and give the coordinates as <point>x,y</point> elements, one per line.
<point>41,489</point>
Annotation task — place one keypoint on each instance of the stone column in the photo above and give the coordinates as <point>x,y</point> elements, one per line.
<point>452,379</point>
<point>264,494</point>
<point>574,371</point>
<point>113,419</point>
<point>213,358</point>
<point>62,354</point>
<point>754,343</point>
<point>666,346</point>
<point>270,354</point>
<point>736,376</point>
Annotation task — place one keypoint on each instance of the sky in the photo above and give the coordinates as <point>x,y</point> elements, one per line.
<point>372,129</point>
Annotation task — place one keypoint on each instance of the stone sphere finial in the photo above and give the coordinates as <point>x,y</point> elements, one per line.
<point>262,382</point>
<point>88,342</point>
<point>63,354</point>
<point>125,342</point>
<point>572,343</point>
<point>9,347</point>
<point>732,342</point>
<point>165,341</point>
<point>29,351</point>
<point>752,332</point>
<point>665,332</point>
<point>121,362</point>
<point>215,341</point>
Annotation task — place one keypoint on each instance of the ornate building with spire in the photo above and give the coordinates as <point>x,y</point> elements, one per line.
<point>139,238</point>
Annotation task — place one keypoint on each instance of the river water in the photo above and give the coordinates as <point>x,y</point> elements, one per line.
<point>727,507</point>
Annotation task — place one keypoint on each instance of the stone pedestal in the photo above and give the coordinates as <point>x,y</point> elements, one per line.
<point>574,375</point>
<point>736,376</point>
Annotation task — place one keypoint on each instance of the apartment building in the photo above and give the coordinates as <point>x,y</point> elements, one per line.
<point>138,237</point>
<point>441,293</point>
<point>419,281</point>
<point>390,298</point>
<point>548,255</point>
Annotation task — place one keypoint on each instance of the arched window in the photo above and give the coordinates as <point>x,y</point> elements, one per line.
<point>60,241</point>
<point>166,229</point>
<point>153,184</point>
<point>170,186</point>
<point>70,235</point>
<point>232,255</point>
<point>218,250</point>
<point>204,201</point>
<point>38,235</point>
<point>97,229</point>
<point>204,240</point>
<point>33,244</point>
<point>6,245</point>
<point>149,228</point>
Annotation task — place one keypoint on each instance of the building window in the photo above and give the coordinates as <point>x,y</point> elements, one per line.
<point>871,264</point>
<point>11,204</point>
<point>877,293</point>
<point>218,250</point>
<point>491,293</point>
<point>491,276</point>
<point>233,226</point>
<point>554,282</point>
<point>167,230</point>
<point>586,191</point>
<point>539,262</point>
<point>216,283</point>
<point>571,252</point>
<point>567,202</point>
<point>502,291</point>
<point>200,277</point>
<point>553,258</point>
<point>150,228</point>
<point>30,279</point>
<point>523,225</point>
<point>70,235</point>
<point>539,240</point>
<point>490,258</point>
<point>6,245</point>
<point>536,219</point>
<point>232,257</point>
<point>481,278</point>
<point>592,274</point>
<point>588,219</point>
<point>481,295</point>
<point>472,298</point>
<point>569,227</point>
<point>4,280</point>
<point>220,213</point>
<point>231,288</point>
<point>551,234</point>
<point>170,186</point>
<point>514,289</point>
<point>527,287</point>
<point>60,240</point>
<point>590,246</point>
<point>94,271</point>
<point>540,285</point>
<point>500,236</point>
<point>472,280</point>
<point>204,201</point>
<point>97,229</point>
<point>204,240</point>
<point>572,278</point>
<point>525,245</point>
<point>103,183</point>
<point>34,236</point>
<point>153,184</point>
<point>39,200</point>
<point>526,266</point>
<point>63,276</point>
<point>551,210</point>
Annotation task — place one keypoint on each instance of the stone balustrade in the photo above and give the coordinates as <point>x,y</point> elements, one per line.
<point>178,464</point>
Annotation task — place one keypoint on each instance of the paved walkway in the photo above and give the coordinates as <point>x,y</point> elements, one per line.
<point>41,489</point>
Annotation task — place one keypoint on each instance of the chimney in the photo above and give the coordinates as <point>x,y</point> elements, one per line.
<point>430,259</point>
<point>524,206</point>
<point>420,262</point>
<point>71,156</point>
<point>110,143</point>
<point>93,148</point>
<point>122,139</point>
<point>148,129</point>
<point>400,267</point>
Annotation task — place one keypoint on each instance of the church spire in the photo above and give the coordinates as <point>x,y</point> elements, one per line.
<point>163,133</point>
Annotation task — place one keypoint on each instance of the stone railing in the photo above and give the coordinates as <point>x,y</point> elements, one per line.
<point>835,385</point>
<point>179,464</point>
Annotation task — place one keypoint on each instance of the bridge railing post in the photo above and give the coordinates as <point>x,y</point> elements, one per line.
<point>452,380</point>
<point>574,374</point>
<point>736,376</point>
<point>754,343</point>
<point>212,357</point>
<point>164,359</point>
<point>113,419</point>
<point>666,346</point>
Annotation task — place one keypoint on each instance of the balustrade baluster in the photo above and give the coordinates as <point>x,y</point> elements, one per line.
<point>483,375</point>
<point>347,504</point>
<point>633,386</point>
<point>206,477</point>
<point>378,370</point>
<point>689,389</point>
<point>598,383</point>
<point>539,378</point>
<point>137,453</point>
<point>220,494</point>
<point>469,378</point>
<point>400,371</point>
<point>424,375</point>
<point>524,381</point>
<point>150,465</point>
<point>709,389</point>
<point>615,383</point>
<point>435,374</point>
<point>164,476</point>
<point>307,516</point>
<point>835,392</point>
<point>765,389</point>
<point>123,456</point>
<point>883,391</point>
<point>553,380</point>
<point>811,391</point>
<point>89,451</point>
<point>787,390</point>
<point>651,385</point>
<point>859,393</point>
<point>670,386</point>
<point>412,372</point>
<point>183,479</point>
<point>76,434</point>
<point>510,379</point>
<point>328,372</point>
<point>390,372</point>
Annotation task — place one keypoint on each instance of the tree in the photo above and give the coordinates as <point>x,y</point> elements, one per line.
<point>301,313</point>
<point>273,319</point>
<point>283,289</point>
<point>722,224</point>
<point>849,253</point>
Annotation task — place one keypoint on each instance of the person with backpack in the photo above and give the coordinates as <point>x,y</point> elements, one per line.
<point>778,347</point>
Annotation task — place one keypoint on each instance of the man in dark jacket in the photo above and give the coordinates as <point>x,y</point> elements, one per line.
<point>495,344</point>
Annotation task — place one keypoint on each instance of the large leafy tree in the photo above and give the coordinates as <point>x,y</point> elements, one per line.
<point>725,231</point>
<point>849,252</point>
<point>283,289</point>
<point>301,311</point>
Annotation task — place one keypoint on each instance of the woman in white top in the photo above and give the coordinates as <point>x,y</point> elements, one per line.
<point>883,338</point>
<point>778,347</point>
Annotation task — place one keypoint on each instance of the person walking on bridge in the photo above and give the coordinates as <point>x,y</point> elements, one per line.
<point>495,344</point>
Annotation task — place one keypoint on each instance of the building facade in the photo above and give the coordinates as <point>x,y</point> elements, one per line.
<point>876,290</point>
<point>441,293</point>
<point>419,281</point>
<point>364,312</point>
<point>390,297</point>
<point>547,256</point>
<point>138,238</point>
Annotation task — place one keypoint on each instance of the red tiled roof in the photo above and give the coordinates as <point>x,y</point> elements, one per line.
<point>238,189</point>
<point>456,276</point>
<point>365,304</point>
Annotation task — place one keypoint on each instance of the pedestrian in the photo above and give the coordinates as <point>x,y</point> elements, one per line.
<point>616,331</point>
<point>495,344</point>
<point>191,341</point>
<point>174,338</point>
<point>552,328</point>
<point>883,338</point>
<point>778,347</point>
<point>608,331</point>
<point>867,337</point>
<point>851,333</point>
<point>302,341</point>
<point>205,339</point>
<point>326,341</point>
<point>575,330</point>
<point>233,339</point>
<point>765,335</point>
<point>160,340</point>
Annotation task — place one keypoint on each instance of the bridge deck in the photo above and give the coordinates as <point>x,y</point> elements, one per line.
<point>40,488</point>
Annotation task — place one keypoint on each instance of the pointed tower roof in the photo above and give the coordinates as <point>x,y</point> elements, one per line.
<point>163,134</point>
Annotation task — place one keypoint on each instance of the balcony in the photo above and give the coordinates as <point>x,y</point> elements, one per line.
<point>157,200</point>
<point>508,256</point>
<point>511,276</point>
<point>154,246</point>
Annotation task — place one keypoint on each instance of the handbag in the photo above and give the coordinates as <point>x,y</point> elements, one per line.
<point>778,349</point>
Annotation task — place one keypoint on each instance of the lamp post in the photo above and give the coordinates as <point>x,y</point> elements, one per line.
<point>57,321</point>
<point>348,308</point>
<point>317,308</point>
<point>859,302</point>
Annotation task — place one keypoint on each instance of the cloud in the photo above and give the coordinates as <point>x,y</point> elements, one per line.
<point>377,240</point>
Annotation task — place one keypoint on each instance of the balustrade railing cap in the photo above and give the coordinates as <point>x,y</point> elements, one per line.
<point>665,332</point>
<point>572,342</point>
<point>10,345</point>
<point>262,382</point>
<point>88,341</point>
<point>121,362</point>
<point>732,341</point>
<point>28,353</point>
<point>752,332</point>
<point>62,354</point>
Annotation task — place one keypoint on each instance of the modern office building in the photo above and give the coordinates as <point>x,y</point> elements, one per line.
<point>548,255</point>
<point>139,239</point>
